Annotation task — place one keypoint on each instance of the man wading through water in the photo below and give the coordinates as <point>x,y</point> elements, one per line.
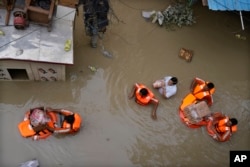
<point>95,18</point>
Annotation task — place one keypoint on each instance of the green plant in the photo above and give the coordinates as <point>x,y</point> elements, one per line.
<point>179,14</point>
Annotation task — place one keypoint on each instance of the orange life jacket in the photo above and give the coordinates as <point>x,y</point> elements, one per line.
<point>199,93</point>
<point>143,100</point>
<point>75,126</point>
<point>189,99</point>
<point>221,126</point>
<point>27,130</point>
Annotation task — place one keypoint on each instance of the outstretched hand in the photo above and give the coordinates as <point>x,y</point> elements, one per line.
<point>154,117</point>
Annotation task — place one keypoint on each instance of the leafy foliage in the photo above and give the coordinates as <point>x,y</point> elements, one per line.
<point>178,14</point>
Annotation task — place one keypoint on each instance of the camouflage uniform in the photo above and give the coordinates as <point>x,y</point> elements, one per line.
<point>95,18</point>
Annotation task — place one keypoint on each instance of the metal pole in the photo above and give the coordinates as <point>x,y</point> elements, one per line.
<point>241,19</point>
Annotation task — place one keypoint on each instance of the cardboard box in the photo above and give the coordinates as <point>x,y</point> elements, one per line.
<point>196,112</point>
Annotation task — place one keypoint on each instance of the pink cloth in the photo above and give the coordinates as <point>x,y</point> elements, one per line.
<point>38,117</point>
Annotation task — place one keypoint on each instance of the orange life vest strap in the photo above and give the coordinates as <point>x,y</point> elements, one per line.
<point>234,128</point>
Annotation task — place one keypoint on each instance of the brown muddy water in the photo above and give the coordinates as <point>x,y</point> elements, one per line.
<point>116,131</point>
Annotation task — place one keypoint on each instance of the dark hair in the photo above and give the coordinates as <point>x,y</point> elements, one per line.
<point>144,92</point>
<point>70,119</point>
<point>210,85</point>
<point>234,121</point>
<point>174,80</point>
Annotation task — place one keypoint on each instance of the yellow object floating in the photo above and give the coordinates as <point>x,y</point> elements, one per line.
<point>2,33</point>
<point>67,45</point>
<point>240,37</point>
<point>92,68</point>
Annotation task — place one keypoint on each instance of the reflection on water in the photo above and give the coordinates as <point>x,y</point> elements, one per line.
<point>118,132</point>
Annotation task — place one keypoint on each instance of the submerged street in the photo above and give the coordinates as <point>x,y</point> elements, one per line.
<point>116,131</point>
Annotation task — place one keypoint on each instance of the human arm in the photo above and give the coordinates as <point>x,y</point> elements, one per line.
<point>225,136</point>
<point>26,116</point>
<point>48,109</point>
<point>62,130</point>
<point>59,130</point>
<point>222,137</point>
<point>195,82</point>
<point>156,103</point>
<point>132,93</point>
<point>38,137</point>
<point>60,111</point>
<point>40,128</point>
<point>209,100</point>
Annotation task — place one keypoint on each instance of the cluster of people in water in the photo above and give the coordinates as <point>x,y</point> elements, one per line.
<point>194,111</point>
<point>39,123</point>
<point>143,95</point>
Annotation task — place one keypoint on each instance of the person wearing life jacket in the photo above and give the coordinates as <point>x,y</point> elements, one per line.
<point>71,122</point>
<point>224,128</point>
<point>144,96</point>
<point>166,86</point>
<point>203,90</point>
<point>36,123</point>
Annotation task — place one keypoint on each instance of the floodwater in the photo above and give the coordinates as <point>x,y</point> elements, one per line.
<point>116,131</point>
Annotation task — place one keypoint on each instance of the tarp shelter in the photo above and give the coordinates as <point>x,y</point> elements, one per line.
<point>223,5</point>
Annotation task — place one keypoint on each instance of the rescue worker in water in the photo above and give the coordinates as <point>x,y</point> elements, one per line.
<point>223,128</point>
<point>203,90</point>
<point>71,122</point>
<point>144,96</point>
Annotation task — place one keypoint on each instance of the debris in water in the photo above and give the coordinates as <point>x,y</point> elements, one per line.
<point>31,163</point>
<point>186,54</point>
<point>92,68</point>
<point>106,53</point>
<point>240,37</point>
<point>180,14</point>
<point>2,33</point>
<point>158,16</point>
<point>67,45</point>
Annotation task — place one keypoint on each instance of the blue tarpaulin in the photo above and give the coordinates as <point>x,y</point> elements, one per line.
<point>239,5</point>
<point>230,5</point>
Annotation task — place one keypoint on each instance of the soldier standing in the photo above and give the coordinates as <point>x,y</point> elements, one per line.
<point>95,18</point>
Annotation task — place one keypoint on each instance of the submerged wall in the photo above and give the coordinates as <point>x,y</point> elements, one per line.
<point>11,70</point>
